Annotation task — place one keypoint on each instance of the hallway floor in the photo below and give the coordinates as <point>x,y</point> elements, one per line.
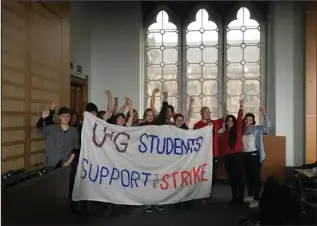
<point>219,213</point>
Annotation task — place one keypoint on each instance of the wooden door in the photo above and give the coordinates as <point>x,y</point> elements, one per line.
<point>78,95</point>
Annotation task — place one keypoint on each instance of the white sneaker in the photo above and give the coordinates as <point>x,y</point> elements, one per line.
<point>248,199</point>
<point>254,204</point>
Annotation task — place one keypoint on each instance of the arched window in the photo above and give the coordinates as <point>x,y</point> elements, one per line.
<point>243,63</point>
<point>162,60</point>
<point>196,58</point>
<point>202,64</point>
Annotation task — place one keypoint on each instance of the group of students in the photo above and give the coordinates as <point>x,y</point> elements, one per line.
<point>241,140</point>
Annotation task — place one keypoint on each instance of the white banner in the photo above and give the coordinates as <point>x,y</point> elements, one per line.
<point>142,165</point>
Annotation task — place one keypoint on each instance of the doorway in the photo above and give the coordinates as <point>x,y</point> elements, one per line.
<point>78,94</point>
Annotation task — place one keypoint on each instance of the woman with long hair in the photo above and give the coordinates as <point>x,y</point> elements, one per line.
<point>253,154</point>
<point>179,119</point>
<point>169,108</point>
<point>121,120</point>
<point>150,119</point>
<point>231,147</point>
<point>136,121</point>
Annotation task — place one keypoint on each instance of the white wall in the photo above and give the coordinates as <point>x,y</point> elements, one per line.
<point>115,62</point>
<point>80,44</point>
<point>286,76</point>
<point>116,35</point>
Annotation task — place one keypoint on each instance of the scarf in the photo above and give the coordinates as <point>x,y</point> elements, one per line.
<point>248,130</point>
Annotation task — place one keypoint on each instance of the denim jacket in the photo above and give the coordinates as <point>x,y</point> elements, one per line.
<point>258,132</point>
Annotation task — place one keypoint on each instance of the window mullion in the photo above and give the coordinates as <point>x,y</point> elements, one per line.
<point>182,72</point>
<point>222,70</point>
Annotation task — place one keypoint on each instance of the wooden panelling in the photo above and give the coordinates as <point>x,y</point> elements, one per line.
<point>310,82</point>
<point>13,150</point>
<point>311,139</point>
<point>54,8</point>
<point>65,99</point>
<point>275,161</point>
<point>17,163</point>
<point>33,50</point>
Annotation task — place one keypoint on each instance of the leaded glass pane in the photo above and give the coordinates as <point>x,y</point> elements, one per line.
<point>243,63</point>
<point>162,60</point>
<point>202,64</point>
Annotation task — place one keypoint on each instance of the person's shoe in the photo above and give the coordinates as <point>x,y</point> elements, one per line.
<point>248,199</point>
<point>159,208</point>
<point>148,209</point>
<point>254,204</point>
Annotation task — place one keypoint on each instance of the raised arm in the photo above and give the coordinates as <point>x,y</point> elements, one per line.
<point>190,111</point>
<point>224,109</point>
<point>161,119</point>
<point>130,119</point>
<point>41,126</point>
<point>115,106</point>
<point>267,123</point>
<point>152,102</point>
<point>239,119</point>
<point>219,123</point>
<point>49,120</point>
<point>124,106</point>
<point>110,106</point>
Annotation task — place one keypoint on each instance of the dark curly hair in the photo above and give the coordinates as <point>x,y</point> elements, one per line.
<point>113,119</point>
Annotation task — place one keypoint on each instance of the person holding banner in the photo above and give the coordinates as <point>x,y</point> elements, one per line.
<point>253,153</point>
<point>217,125</point>
<point>120,119</point>
<point>231,147</point>
<point>149,114</point>
<point>122,109</point>
<point>91,108</point>
<point>136,121</point>
<point>160,120</point>
<point>179,122</point>
<point>148,117</point>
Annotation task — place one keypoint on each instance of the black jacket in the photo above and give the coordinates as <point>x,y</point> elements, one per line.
<point>48,120</point>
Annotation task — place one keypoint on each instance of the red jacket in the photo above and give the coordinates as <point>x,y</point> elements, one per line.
<point>215,139</point>
<point>225,148</point>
